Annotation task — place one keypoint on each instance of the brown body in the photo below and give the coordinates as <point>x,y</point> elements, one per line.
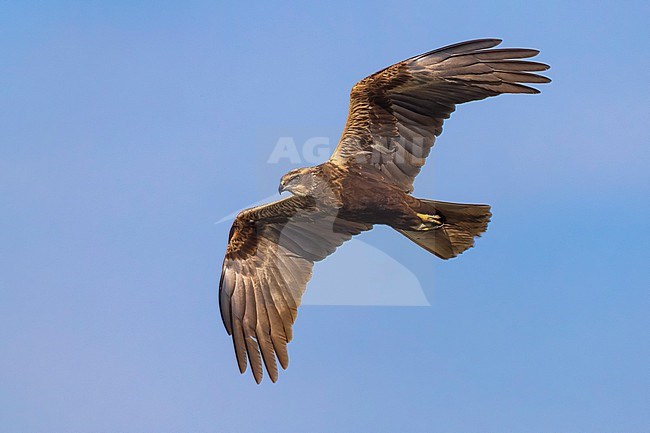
<point>364,194</point>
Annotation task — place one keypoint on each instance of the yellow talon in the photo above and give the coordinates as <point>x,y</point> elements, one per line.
<point>429,222</point>
<point>426,218</point>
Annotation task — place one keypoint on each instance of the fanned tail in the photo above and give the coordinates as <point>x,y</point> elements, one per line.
<point>461,223</point>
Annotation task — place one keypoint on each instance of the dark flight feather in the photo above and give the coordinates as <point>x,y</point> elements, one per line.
<point>272,265</point>
<point>413,97</point>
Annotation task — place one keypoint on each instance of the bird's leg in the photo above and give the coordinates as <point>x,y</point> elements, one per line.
<point>429,222</point>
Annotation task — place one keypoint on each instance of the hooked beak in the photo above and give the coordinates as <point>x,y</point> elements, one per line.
<point>281,189</point>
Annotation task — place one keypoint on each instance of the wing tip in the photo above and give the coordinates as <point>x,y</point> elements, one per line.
<point>522,88</point>
<point>482,41</point>
<point>495,41</point>
<point>533,51</point>
<point>258,379</point>
<point>465,47</point>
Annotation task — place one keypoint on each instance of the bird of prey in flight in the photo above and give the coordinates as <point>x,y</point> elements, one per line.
<point>394,118</point>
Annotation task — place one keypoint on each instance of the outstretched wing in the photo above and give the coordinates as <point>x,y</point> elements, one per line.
<point>396,113</point>
<point>269,260</point>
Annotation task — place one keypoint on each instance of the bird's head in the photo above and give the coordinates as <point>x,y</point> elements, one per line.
<point>300,181</point>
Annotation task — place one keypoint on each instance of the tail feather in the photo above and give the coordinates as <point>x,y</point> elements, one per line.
<point>461,224</point>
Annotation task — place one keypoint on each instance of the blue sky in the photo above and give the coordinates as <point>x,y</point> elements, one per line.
<point>127,129</point>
